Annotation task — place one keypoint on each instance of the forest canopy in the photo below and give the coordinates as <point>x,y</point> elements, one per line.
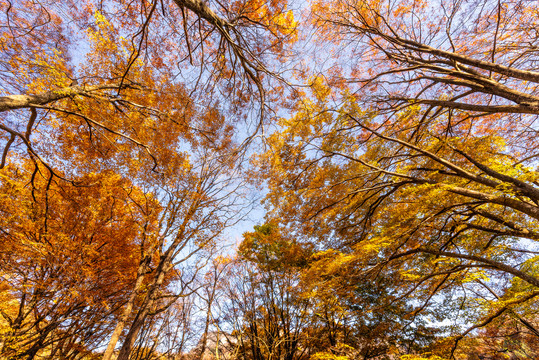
<point>269,180</point>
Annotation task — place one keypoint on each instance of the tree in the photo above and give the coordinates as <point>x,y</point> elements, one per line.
<point>125,74</point>
<point>359,315</point>
<point>136,90</point>
<point>417,158</point>
<point>264,312</point>
<point>169,333</point>
<point>67,259</point>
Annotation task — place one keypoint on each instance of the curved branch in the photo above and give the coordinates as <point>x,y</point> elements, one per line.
<point>13,102</point>
<point>532,280</point>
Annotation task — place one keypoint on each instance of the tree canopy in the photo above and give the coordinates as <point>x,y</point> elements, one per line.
<point>394,144</point>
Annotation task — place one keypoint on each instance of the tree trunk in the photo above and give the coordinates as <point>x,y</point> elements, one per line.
<point>126,312</point>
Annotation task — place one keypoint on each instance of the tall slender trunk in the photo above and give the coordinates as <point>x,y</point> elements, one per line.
<point>128,310</point>
<point>209,316</point>
<point>163,267</point>
<point>146,306</point>
<point>132,335</point>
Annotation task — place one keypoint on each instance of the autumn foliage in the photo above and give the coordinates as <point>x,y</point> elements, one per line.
<point>393,145</point>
